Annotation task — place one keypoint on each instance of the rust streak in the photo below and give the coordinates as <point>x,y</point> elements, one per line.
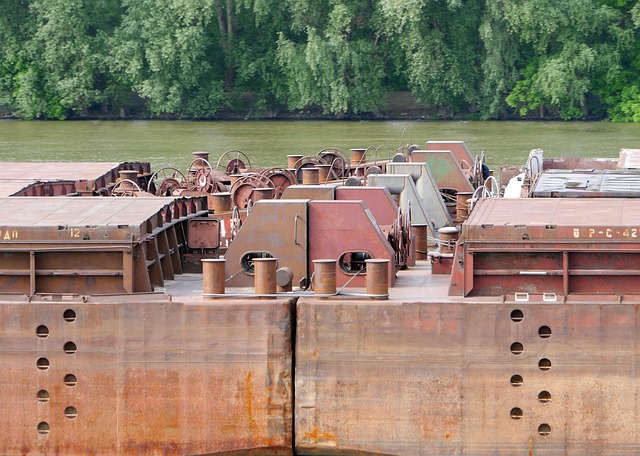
<point>249,401</point>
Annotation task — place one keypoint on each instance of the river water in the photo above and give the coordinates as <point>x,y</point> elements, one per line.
<point>267,143</point>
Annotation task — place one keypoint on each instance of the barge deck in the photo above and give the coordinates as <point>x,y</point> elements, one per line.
<point>521,337</point>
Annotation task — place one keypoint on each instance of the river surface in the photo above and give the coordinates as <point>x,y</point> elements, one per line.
<point>267,143</point>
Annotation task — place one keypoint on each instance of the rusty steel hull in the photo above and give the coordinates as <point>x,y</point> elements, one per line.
<point>425,378</point>
<point>151,376</point>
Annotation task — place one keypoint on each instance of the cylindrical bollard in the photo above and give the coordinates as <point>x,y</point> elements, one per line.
<point>357,156</point>
<point>292,160</point>
<point>261,193</point>
<point>264,270</point>
<point>284,279</point>
<point>324,277</point>
<point>127,178</point>
<point>421,245</point>
<point>202,155</point>
<point>213,276</point>
<point>462,209</point>
<point>377,277</point>
<point>323,173</point>
<point>233,178</point>
<point>448,238</point>
<point>219,202</point>
<point>310,176</point>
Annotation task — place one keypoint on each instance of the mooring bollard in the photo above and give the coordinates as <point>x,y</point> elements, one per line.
<point>448,238</point>
<point>421,245</point>
<point>324,277</point>
<point>213,276</point>
<point>265,275</point>
<point>310,176</point>
<point>377,277</point>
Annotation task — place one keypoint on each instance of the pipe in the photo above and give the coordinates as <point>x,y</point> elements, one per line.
<point>284,280</point>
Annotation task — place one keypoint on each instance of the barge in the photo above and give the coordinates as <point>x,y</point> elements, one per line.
<point>396,307</point>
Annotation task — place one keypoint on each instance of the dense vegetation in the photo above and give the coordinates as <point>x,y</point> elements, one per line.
<point>486,59</point>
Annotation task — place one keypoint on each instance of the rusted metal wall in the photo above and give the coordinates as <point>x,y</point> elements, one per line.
<point>150,376</point>
<point>499,378</point>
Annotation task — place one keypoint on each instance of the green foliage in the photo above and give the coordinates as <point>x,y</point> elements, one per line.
<point>336,66</point>
<point>439,41</point>
<point>164,50</point>
<point>190,58</point>
<point>628,107</point>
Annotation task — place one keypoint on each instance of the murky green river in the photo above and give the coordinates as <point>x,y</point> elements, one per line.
<point>170,143</point>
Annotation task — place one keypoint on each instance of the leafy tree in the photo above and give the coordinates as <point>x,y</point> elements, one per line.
<point>170,53</point>
<point>566,45</point>
<point>440,43</point>
<point>329,57</point>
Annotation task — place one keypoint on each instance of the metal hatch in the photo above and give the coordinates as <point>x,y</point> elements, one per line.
<point>563,246</point>
<point>91,245</point>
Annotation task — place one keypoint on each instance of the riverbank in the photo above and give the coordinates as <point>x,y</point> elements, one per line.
<point>399,105</point>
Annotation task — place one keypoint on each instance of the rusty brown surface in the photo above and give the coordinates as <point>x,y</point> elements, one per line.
<point>358,232</point>
<point>425,378</point>
<point>153,377</point>
<point>274,227</point>
<point>377,199</point>
<point>561,246</point>
<point>60,178</point>
<point>91,245</point>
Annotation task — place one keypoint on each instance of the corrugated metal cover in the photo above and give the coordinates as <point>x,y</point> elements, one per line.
<point>588,184</point>
<point>629,159</point>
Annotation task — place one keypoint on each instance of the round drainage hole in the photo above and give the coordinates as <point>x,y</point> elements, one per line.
<point>70,380</point>
<point>42,331</point>
<point>42,364</point>
<point>544,429</point>
<point>544,397</point>
<point>544,364</point>
<point>71,412</point>
<point>516,413</point>
<point>43,427</point>
<point>69,315</point>
<point>70,348</point>
<point>517,316</point>
<point>544,332</point>
<point>517,348</point>
<point>43,396</point>
<point>516,380</point>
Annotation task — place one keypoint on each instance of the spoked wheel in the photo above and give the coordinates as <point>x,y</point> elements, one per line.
<point>234,161</point>
<point>201,176</point>
<point>337,159</point>
<point>165,181</point>
<point>126,187</point>
<point>242,189</point>
<point>476,174</point>
<point>281,179</point>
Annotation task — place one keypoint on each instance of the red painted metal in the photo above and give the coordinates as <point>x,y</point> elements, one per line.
<point>561,246</point>
<point>338,228</point>
<point>91,245</point>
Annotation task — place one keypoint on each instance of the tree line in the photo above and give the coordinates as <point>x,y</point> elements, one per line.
<point>484,59</point>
